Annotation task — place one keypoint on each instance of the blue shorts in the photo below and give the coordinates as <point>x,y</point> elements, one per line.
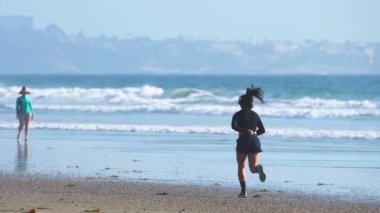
<point>248,144</point>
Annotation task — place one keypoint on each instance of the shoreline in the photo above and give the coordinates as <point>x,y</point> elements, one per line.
<point>46,193</point>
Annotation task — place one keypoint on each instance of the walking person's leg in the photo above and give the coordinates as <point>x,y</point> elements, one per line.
<point>27,121</point>
<point>241,172</point>
<point>21,123</point>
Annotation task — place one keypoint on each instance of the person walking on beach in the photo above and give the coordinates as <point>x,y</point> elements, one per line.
<point>249,125</point>
<point>24,112</point>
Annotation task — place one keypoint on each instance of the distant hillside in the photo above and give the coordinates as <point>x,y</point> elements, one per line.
<point>51,50</point>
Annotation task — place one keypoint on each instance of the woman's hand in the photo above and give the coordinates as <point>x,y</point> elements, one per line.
<point>251,132</point>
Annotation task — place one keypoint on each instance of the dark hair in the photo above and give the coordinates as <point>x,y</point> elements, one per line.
<point>246,100</point>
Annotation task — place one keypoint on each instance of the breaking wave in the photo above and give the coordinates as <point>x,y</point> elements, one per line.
<point>138,128</point>
<point>183,100</point>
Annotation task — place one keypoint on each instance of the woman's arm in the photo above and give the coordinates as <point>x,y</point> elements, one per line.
<point>260,127</point>
<point>235,126</point>
<point>18,106</point>
<point>31,108</point>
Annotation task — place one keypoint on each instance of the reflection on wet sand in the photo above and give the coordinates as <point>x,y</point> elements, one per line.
<point>22,157</point>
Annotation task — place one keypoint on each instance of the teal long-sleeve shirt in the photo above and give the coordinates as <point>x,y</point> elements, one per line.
<point>24,105</point>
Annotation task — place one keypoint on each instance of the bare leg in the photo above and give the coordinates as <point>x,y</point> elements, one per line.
<point>27,121</point>
<point>241,172</point>
<point>255,167</point>
<point>20,126</point>
<point>253,160</point>
<point>241,165</point>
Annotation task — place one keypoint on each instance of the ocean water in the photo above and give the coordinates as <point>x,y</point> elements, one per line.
<point>176,128</point>
<point>339,107</point>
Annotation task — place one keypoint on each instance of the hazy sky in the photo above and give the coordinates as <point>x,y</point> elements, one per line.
<point>297,20</point>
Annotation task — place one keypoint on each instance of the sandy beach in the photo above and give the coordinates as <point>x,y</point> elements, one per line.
<point>58,194</point>
<point>89,175</point>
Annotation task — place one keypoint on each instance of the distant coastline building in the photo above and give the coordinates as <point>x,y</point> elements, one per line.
<point>16,23</point>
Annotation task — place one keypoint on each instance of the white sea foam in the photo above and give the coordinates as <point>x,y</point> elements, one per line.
<point>183,100</point>
<point>274,132</point>
<point>308,102</point>
<point>157,106</point>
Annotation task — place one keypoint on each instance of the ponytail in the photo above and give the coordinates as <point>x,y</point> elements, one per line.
<point>246,100</point>
<point>256,92</point>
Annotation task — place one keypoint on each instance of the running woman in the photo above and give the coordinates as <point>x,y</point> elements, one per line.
<point>249,125</point>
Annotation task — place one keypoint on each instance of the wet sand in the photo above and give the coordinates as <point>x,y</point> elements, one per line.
<point>58,194</point>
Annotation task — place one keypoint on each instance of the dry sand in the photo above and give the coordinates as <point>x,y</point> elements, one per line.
<point>52,194</point>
